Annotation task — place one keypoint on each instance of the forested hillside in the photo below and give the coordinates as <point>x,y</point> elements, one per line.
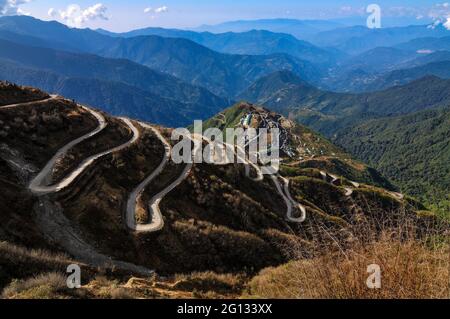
<point>412,150</point>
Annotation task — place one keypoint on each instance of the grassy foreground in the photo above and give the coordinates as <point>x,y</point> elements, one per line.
<point>409,269</point>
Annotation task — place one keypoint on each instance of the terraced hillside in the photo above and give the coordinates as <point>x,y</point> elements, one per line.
<point>113,198</point>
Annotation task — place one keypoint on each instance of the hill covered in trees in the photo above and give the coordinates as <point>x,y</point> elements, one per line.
<point>413,150</point>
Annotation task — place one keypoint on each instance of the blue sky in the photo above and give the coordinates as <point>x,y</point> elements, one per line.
<point>118,15</point>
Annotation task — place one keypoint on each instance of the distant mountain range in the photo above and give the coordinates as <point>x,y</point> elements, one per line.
<point>223,74</point>
<point>357,39</point>
<point>403,76</point>
<point>382,68</point>
<point>118,86</point>
<point>328,112</point>
<point>227,63</point>
<point>302,29</point>
<point>427,44</point>
<point>254,42</point>
<point>379,59</point>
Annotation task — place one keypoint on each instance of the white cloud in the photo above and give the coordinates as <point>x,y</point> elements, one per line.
<point>447,24</point>
<point>97,11</point>
<point>425,51</point>
<point>403,11</point>
<point>52,13</point>
<point>440,13</point>
<point>346,9</point>
<point>12,7</point>
<point>349,10</point>
<point>161,9</point>
<point>77,17</point>
<point>158,10</point>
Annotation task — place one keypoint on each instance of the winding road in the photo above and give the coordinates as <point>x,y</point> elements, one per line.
<point>259,174</point>
<point>11,106</point>
<point>157,222</point>
<point>300,207</point>
<point>290,202</point>
<point>355,184</point>
<point>349,191</point>
<point>399,196</point>
<point>286,195</point>
<point>334,179</point>
<point>37,185</point>
<point>49,215</point>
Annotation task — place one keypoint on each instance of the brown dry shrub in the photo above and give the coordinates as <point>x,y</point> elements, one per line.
<point>409,269</point>
<point>44,286</point>
<point>210,282</point>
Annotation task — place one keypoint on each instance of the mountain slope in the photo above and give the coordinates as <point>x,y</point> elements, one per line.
<point>358,39</point>
<point>302,29</point>
<point>123,87</point>
<point>223,74</point>
<point>328,112</point>
<point>263,89</point>
<point>378,59</point>
<point>373,75</point>
<point>10,94</point>
<point>404,76</point>
<point>215,218</point>
<point>255,42</point>
<point>427,43</point>
<point>54,34</point>
<point>408,143</point>
<point>302,149</point>
<point>426,58</point>
<point>413,150</point>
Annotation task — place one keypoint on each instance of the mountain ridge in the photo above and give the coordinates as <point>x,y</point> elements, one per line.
<point>253,42</point>
<point>223,74</point>
<point>328,112</point>
<point>57,68</point>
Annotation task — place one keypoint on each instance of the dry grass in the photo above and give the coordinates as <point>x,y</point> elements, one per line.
<point>44,286</point>
<point>210,282</point>
<point>409,269</point>
<point>21,255</point>
<point>103,287</point>
<point>19,262</point>
<point>121,293</point>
